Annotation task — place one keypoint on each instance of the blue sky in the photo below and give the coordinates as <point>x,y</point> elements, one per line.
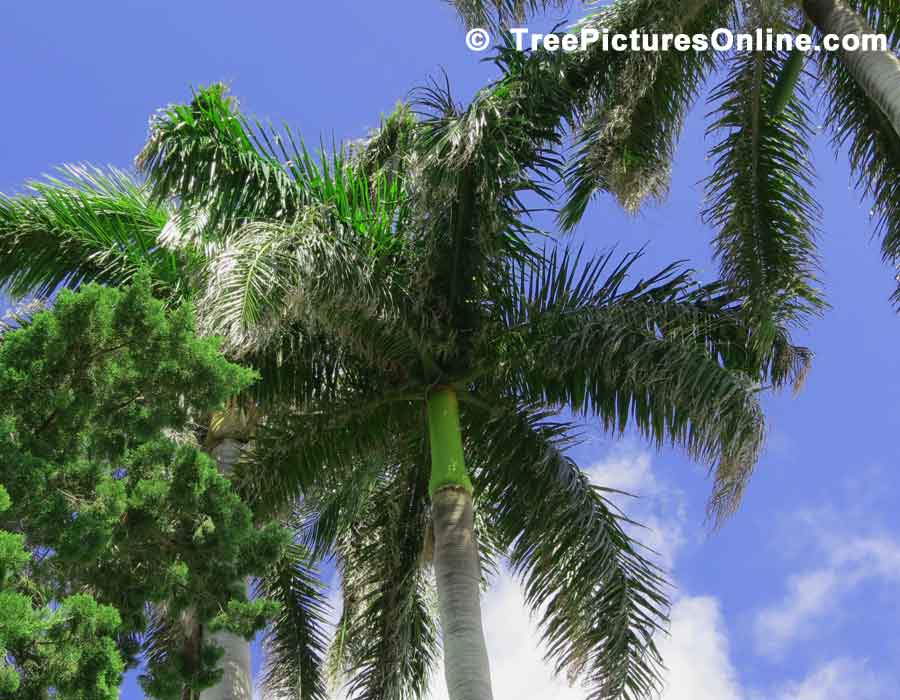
<point>796,598</point>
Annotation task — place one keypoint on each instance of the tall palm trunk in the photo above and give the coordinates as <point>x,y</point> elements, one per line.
<point>877,72</point>
<point>237,677</point>
<point>456,560</point>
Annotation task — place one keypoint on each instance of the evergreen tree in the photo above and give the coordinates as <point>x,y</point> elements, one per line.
<point>116,513</point>
<point>70,646</point>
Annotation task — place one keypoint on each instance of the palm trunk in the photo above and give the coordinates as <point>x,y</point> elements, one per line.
<point>876,72</point>
<point>237,681</point>
<point>237,678</point>
<point>456,560</point>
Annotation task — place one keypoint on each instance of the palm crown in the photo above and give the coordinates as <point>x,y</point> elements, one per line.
<point>628,109</point>
<point>374,284</point>
<point>403,271</point>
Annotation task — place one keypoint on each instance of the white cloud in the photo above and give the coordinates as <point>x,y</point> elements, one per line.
<point>813,597</point>
<point>839,679</point>
<point>808,597</point>
<point>696,653</point>
<point>696,650</point>
<point>518,669</point>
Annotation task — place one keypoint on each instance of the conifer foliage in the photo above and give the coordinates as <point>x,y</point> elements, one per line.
<point>114,519</point>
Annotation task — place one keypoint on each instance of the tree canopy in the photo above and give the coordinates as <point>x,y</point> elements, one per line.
<point>118,521</point>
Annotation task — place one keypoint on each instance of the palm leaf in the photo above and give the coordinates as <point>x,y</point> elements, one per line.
<point>20,314</point>
<point>297,453</point>
<point>636,103</point>
<point>478,166</point>
<point>759,196</point>
<point>87,225</point>
<point>203,154</point>
<point>389,150</point>
<point>295,641</point>
<point>298,368</point>
<point>228,169</point>
<point>389,612</point>
<point>597,600</point>
<point>664,355</point>
<point>270,275</point>
<point>175,658</point>
<point>496,13</point>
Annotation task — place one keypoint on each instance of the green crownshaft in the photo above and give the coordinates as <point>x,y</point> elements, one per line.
<point>448,464</point>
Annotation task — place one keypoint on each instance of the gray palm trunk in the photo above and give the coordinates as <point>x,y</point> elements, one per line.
<point>458,573</point>
<point>237,676</point>
<point>877,72</point>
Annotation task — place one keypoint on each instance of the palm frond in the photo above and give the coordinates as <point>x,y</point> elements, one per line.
<point>271,275</point>
<point>390,149</point>
<point>497,13</point>
<point>298,453</point>
<point>295,641</point>
<point>389,611</point>
<point>174,656</point>
<point>332,508</point>
<point>759,196</point>
<point>228,169</point>
<point>636,104</point>
<point>298,368</point>
<point>87,225</point>
<point>664,355</point>
<point>478,166</point>
<point>20,314</point>
<point>203,153</point>
<point>857,124</point>
<point>711,315</point>
<point>506,127</point>
<point>881,15</point>
<point>597,600</point>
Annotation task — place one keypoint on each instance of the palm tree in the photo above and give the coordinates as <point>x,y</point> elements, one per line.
<point>395,300</point>
<point>395,310</point>
<point>628,109</point>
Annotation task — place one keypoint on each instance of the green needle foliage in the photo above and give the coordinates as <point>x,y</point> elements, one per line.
<point>69,646</point>
<point>117,508</point>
